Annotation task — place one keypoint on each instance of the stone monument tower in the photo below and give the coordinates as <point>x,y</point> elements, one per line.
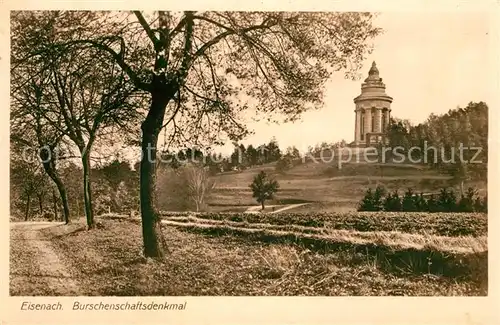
<point>373,110</point>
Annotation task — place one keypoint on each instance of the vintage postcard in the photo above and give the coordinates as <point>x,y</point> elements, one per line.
<point>259,163</point>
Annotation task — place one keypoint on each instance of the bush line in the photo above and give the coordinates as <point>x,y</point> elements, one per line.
<point>441,224</point>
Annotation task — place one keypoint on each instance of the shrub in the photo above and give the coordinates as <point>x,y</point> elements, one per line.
<point>421,202</point>
<point>392,202</point>
<point>409,202</point>
<point>445,202</point>
<point>466,203</point>
<point>484,207</point>
<point>378,198</point>
<point>432,204</point>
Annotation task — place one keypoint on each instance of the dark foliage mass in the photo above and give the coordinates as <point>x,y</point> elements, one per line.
<point>445,201</point>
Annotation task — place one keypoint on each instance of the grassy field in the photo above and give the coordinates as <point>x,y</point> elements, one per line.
<point>256,254</point>
<point>327,187</point>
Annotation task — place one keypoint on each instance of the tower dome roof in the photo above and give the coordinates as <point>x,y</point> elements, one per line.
<point>373,69</point>
<point>373,74</point>
<point>373,88</point>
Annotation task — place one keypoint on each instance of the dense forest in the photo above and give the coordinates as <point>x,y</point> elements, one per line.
<point>455,143</point>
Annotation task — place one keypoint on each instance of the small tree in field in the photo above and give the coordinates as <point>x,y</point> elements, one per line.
<point>263,188</point>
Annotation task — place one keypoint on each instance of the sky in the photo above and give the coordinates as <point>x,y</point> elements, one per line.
<point>429,62</point>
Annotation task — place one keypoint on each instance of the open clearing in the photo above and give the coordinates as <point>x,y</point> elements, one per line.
<point>231,259</point>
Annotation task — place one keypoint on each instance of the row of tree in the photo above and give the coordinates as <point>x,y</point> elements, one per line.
<point>446,201</point>
<point>33,193</point>
<point>455,143</point>
<point>242,157</point>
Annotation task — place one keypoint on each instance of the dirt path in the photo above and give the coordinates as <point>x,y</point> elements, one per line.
<point>35,267</point>
<point>256,208</point>
<point>288,207</point>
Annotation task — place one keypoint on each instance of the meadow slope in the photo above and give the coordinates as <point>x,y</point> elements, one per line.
<point>324,186</point>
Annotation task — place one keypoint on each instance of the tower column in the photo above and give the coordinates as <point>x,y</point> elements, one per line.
<point>387,117</point>
<point>368,122</point>
<point>378,120</point>
<point>357,127</point>
<point>385,120</point>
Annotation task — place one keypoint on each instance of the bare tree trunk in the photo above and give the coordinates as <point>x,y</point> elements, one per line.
<point>114,204</point>
<point>78,207</point>
<point>262,203</point>
<point>87,193</point>
<point>40,203</point>
<point>151,231</point>
<point>49,168</point>
<point>27,212</point>
<point>64,199</point>
<point>54,201</point>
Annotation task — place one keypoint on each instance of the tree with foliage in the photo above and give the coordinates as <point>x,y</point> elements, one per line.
<point>252,155</point>
<point>432,204</point>
<point>398,136</point>
<point>366,203</point>
<point>237,155</point>
<point>293,152</point>
<point>195,64</point>
<point>460,137</point>
<point>272,151</point>
<point>378,196</point>
<point>263,188</point>
<point>29,131</point>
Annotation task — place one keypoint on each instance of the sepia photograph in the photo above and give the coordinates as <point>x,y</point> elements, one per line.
<point>248,153</point>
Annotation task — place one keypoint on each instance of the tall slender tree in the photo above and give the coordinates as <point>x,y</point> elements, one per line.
<point>30,132</point>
